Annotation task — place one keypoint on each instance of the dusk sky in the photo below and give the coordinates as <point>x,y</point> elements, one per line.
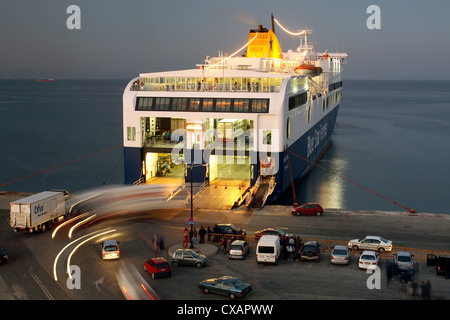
<point>119,39</point>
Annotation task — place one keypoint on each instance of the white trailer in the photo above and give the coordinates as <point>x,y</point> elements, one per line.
<point>37,212</point>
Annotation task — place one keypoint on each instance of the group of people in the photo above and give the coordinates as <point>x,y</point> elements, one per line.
<point>137,85</point>
<point>193,234</point>
<point>250,86</point>
<point>291,249</point>
<point>410,285</point>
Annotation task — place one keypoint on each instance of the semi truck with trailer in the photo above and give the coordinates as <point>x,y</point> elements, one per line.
<point>38,212</point>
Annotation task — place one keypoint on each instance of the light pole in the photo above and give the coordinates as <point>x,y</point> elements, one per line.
<point>192,212</point>
<point>192,204</point>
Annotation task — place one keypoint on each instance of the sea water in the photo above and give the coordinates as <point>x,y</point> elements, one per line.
<point>390,149</point>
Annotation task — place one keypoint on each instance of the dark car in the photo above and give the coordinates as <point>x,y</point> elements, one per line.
<point>310,251</point>
<point>228,229</point>
<point>229,286</point>
<point>308,209</point>
<point>158,267</point>
<point>188,257</point>
<point>442,263</point>
<point>284,237</point>
<point>3,256</point>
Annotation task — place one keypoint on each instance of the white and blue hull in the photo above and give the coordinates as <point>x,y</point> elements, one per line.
<point>309,146</point>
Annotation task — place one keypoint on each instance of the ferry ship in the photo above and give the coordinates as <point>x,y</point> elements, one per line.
<point>235,120</point>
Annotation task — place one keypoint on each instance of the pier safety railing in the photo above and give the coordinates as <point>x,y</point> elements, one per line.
<point>327,245</point>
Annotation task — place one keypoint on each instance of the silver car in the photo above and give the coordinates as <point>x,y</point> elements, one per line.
<point>373,243</point>
<point>238,249</point>
<point>340,255</point>
<point>110,250</point>
<point>403,261</point>
<point>188,257</point>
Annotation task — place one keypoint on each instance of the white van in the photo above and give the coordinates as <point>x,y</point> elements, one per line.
<point>268,249</point>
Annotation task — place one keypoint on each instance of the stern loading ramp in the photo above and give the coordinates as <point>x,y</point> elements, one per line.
<point>259,193</point>
<point>229,187</point>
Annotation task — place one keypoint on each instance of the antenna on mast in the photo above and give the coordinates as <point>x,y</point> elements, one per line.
<point>273,24</point>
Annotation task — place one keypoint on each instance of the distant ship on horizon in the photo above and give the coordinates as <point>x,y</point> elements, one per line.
<point>46,80</point>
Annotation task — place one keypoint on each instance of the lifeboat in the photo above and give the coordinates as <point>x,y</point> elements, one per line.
<point>308,69</point>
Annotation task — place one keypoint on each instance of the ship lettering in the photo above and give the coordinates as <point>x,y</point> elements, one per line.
<point>316,138</point>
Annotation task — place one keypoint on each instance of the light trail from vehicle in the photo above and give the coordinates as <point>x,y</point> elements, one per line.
<point>145,289</point>
<point>126,292</point>
<point>67,222</point>
<point>73,205</point>
<point>78,224</point>
<point>68,245</point>
<point>79,245</point>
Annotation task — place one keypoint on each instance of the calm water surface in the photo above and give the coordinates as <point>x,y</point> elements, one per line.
<point>392,137</point>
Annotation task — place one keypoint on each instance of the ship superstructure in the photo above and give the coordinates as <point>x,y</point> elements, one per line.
<point>230,121</point>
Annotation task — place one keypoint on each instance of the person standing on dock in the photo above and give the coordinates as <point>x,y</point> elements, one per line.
<point>202,233</point>
<point>186,236</point>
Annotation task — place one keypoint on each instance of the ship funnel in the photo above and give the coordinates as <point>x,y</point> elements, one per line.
<point>265,45</point>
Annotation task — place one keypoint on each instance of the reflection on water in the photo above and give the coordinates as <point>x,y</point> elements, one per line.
<point>323,184</point>
<point>331,187</point>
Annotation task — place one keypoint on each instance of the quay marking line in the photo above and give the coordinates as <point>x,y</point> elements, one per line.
<point>41,285</point>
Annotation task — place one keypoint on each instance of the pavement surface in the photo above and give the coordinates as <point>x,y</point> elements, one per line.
<point>29,274</point>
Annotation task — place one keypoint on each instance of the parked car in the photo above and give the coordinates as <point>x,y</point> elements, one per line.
<point>310,251</point>
<point>442,263</point>
<point>368,259</point>
<point>228,229</point>
<point>340,255</point>
<point>3,256</point>
<point>308,209</point>
<point>226,285</point>
<point>284,237</point>
<point>403,262</point>
<point>158,267</point>
<point>110,250</point>
<point>188,257</point>
<point>238,249</point>
<point>374,243</point>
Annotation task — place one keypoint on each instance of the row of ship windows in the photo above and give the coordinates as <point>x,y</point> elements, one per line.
<point>298,100</point>
<point>202,104</point>
<point>334,86</point>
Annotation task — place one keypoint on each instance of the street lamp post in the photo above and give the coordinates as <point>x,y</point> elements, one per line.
<point>192,211</point>
<point>192,206</point>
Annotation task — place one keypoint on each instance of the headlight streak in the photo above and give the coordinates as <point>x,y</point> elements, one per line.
<point>79,223</point>
<point>67,222</point>
<point>59,254</point>
<point>71,207</point>
<point>79,245</point>
<point>106,216</point>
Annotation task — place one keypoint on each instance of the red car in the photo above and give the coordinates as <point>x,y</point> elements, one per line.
<point>158,267</point>
<point>308,209</point>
